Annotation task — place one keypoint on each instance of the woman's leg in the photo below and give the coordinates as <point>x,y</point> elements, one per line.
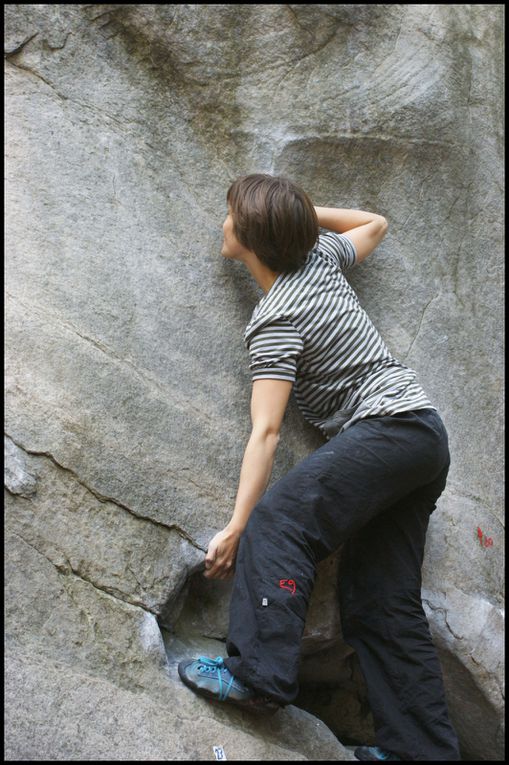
<point>383,619</point>
<point>302,519</point>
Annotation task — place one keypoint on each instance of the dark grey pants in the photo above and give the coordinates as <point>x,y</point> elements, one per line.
<point>372,489</point>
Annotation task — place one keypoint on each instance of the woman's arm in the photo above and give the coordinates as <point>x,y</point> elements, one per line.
<point>365,230</point>
<point>269,399</point>
<point>336,219</point>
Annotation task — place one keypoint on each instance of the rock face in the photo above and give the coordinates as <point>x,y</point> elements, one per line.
<point>127,384</point>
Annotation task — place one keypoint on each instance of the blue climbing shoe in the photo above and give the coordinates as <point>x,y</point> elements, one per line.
<point>213,680</point>
<point>374,753</point>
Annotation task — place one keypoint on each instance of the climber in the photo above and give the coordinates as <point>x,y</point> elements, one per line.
<point>369,489</point>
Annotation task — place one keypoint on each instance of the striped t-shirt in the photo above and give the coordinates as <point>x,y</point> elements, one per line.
<point>310,329</point>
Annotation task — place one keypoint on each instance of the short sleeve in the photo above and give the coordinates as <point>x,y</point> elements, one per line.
<point>274,351</point>
<point>338,249</point>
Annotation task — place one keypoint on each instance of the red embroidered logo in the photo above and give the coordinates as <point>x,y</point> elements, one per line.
<point>288,584</point>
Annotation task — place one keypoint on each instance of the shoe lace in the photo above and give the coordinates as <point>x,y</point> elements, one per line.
<point>217,665</point>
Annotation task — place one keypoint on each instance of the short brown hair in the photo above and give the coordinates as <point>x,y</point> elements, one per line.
<point>274,218</point>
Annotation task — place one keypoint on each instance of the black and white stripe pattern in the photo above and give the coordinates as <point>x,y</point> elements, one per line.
<point>310,329</point>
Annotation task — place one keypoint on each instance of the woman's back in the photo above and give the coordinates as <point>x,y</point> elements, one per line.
<point>311,329</point>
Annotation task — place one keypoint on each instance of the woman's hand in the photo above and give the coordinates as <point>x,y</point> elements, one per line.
<point>221,554</point>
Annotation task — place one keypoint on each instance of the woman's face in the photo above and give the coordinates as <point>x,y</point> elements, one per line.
<point>232,248</point>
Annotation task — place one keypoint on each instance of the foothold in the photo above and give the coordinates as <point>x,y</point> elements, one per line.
<point>219,753</point>
<point>265,602</point>
<point>18,478</point>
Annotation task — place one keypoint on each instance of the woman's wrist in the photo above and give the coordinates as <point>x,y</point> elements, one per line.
<point>234,528</point>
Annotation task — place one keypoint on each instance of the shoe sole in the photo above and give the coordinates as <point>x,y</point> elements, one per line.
<point>263,708</point>
<point>363,756</point>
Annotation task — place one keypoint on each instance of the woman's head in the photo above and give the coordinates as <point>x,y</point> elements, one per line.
<point>273,218</point>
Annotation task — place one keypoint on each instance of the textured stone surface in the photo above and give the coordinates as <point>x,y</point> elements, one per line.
<point>76,715</point>
<point>127,385</point>
<point>469,633</point>
<point>16,476</point>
